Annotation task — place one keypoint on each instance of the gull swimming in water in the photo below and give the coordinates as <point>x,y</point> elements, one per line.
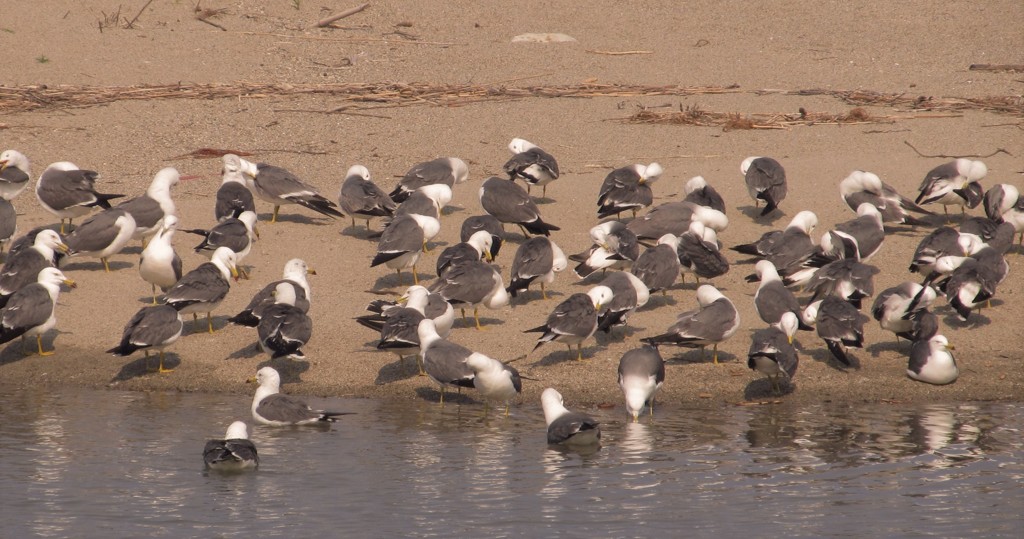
<point>234,453</point>
<point>271,407</point>
<point>566,427</point>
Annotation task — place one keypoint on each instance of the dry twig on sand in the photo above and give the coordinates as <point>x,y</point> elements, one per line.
<point>943,156</point>
<point>347,13</point>
<point>1010,68</point>
<point>728,121</point>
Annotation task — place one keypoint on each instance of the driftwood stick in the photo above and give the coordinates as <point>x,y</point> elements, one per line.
<point>943,156</point>
<point>139,14</point>
<point>1012,68</point>
<point>347,13</point>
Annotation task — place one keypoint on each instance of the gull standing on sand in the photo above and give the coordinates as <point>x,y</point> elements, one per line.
<point>787,247</point>
<point>615,246</point>
<point>659,266</point>
<point>15,172</point>
<point>956,183</point>
<point>68,192</point>
<point>699,253</point>
<point>537,259</point>
<point>233,195</point>
<point>360,197</point>
<point>1003,204</point>
<point>932,362</point>
<point>402,242</point>
<point>629,293</point>
<point>476,247</point>
<point>509,203</point>
<point>574,320</point>
<point>159,264</point>
<point>30,311</point>
<point>202,289</point>
<point>566,427</point>
<point>8,223</point>
<point>487,223</point>
<point>444,170</point>
<point>235,233</point>
<point>772,353</point>
<point>641,373</point>
<point>766,181</point>
<point>627,189</point>
<point>271,407</point>
<point>859,238</point>
<point>102,235</point>
<point>845,278</point>
<point>428,200</point>
<point>531,164</point>
<point>715,320</point>
<point>280,187</point>
<point>399,326</point>
<point>23,266</point>
<point>699,192</point>
<point>772,299</point>
<point>895,307</point>
<point>431,306</point>
<point>472,283</point>
<point>839,324</point>
<point>284,328</point>
<point>149,209</point>
<point>295,272</point>
<point>155,327</point>
<point>862,187</point>
<point>232,454</point>
<point>443,361</point>
<point>674,218</point>
<point>943,241</point>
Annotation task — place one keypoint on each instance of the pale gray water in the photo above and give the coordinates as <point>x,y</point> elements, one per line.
<point>79,463</point>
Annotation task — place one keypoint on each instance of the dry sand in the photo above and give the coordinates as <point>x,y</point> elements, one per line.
<point>917,48</point>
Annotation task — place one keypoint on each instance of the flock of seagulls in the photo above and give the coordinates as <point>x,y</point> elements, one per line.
<point>632,258</point>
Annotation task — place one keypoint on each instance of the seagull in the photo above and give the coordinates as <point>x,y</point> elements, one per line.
<point>232,454</point>
<point>233,195</point>
<point>30,310</point>
<point>846,278</point>
<point>295,272</point>
<point>974,280</point>
<point>443,361</point>
<point>574,320</point>
<point>629,293</point>
<point>23,265</point>
<point>943,241</point>
<point>403,240</point>
<point>565,427</point>
<point>537,259</point>
<point>428,200</point>
<point>154,327</point>
<point>772,299</point>
<point>476,247</point>
<point>956,183</point>
<point>658,267</point>
<point>1003,203</point>
<point>839,324</point>
<point>279,187</point>
<point>235,233</point>
<point>360,197</point>
<point>787,247</point>
<point>67,192</point>
<point>715,320</point>
<point>8,222</point>
<point>149,209</point>
<point>159,264</point>
<point>15,172</point>
<point>771,351</point>
<point>203,288</point>
<point>641,373</point>
<point>627,189</point>
<point>699,192</point>
<point>445,170</point>
<point>895,307</point>
<point>284,328</point>
<point>862,187</point>
<point>433,307</point>
<point>495,380</point>
<point>484,222</point>
<point>766,180</point>
<point>615,246</point>
<point>531,164</point>
<point>398,326</point>
<point>271,407</point>
<point>674,218</point>
<point>102,235</point>
<point>699,253</point>
<point>509,203</point>
<point>932,362</point>
<point>860,238</point>
<point>472,283</point>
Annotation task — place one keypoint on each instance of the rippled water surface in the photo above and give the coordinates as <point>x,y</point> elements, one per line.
<point>78,463</point>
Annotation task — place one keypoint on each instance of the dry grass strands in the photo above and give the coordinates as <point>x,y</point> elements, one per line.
<point>728,121</point>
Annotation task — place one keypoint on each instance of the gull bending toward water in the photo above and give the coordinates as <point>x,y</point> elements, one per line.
<point>566,427</point>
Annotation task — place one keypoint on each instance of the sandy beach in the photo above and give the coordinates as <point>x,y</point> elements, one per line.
<point>446,79</point>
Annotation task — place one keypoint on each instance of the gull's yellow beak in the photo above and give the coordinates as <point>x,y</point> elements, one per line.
<point>310,271</point>
<point>234,272</point>
<point>950,346</point>
<point>487,255</point>
<point>250,380</point>
<point>62,247</point>
<point>256,232</point>
<point>3,165</point>
<point>70,283</point>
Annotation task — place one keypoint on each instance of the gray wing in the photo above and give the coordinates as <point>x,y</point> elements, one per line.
<point>230,233</point>
<point>21,269</point>
<point>942,172</point>
<point>623,292</point>
<point>233,198</point>
<point>29,307</point>
<point>484,222</point>
<point>643,363</point>
<point>669,218</point>
<point>8,220</point>
<point>533,259</point>
<point>152,326</point>
<point>363,197</point>
<point>205,284</point>
<point>575,316</point>
<point>939,242</point>
<point>658,267</point>
<point>707,197</point>
<point>793,247</point>
<point>403,235</point>
<point>840,321</point>
<point>445,362</point>
<point>218,451</point>
<point>469,282</point>
<point>286,409</point>
<point>708,325</point>
<point>280,183</point>
<point>569,425</point>
<point>400,329</point>
<point>622,191</point>
<point>773,344</point>
<point>418,203</point>
<point>428,173</point>
<point>866,231</point>
<point>507,201</point>
<point>436,306</point>
<point>146,211</point>
<point>519,163</point>
<point>96,233</point>
<point>457,254</point>
<point>701,256</point>
<point>767,176</point>
<point>284,328</point>
<point>62,189</point>
<point>13,176</point>
<point>773,299</point>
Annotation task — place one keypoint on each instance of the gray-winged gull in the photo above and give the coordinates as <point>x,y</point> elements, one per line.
<point>772,299</point>
<point>1003,203</point>
<point>627,189</point>
<point>443,361</point>
<point>895,307</point>
<point>674,218</point>
<point>235,233</point>
<point>509,203</point>
<point>943,241</point>
<point>472,283</point>
<point>271,407</point>
<point>629,293</point>
<point>531,164</point>
<point>295,272</point>
<point>573,320</point>
<point>155,327</point>
<point>641,373</point>
<point>786,247</point>
<point>360,197</point>
<point>839,324</point>
<point>476,247</point>
<point>477,223</point>
<point>445,170</point>
<point>150,208</point>
<point>956,183</point>
<point>715,320</point>
<point>23,265</point>
<point>845,278</point>
<point>402,242</point>
<point>202,289</point>
<point>536,260</point>
<point>30,311</point>
<point>659,267</point>
<point>434,307</point>
<point>615,246</point>
<point>68,192</point>
<point>974,279</point>
<point>280,187</point>
<point>8,222</point>
<point>566,427</point>
<point>932,362</point>
<point>699,253</point>
<point>102,235</point>
<point>398,326</point>
<point>233,195</point>
<point>862,187</point>
<point>284,328</point>
<point>15,172</point>
<point>159,264</point>
<point>495,380</point>
<point>859,238</point>
<point>699,192</point>
<point>428,200</point>
<point>766,181</point>
<point>772,353</point>
<point>232,454</point>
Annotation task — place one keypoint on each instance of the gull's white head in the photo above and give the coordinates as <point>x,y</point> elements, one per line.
<point>651,173</point>
<point>708,294</point>
<point>16,159</point>
<point>358,170</point>
<point>268,378</point>
<point>600,295</point>
<point>237,431</point>
<point>694,184</point>
<point>745,165</point>
<point>551,402</point>
<point>669,239</point>
<point>519,145</point>
<point>805,220</point>
<point>460,170</point>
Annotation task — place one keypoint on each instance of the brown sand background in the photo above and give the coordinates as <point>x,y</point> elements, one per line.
<point>917,48</point>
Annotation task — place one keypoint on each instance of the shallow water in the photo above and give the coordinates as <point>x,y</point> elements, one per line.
<point>81,463</point>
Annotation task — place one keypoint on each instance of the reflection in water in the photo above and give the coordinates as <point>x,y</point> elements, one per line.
<point>105,464</point>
